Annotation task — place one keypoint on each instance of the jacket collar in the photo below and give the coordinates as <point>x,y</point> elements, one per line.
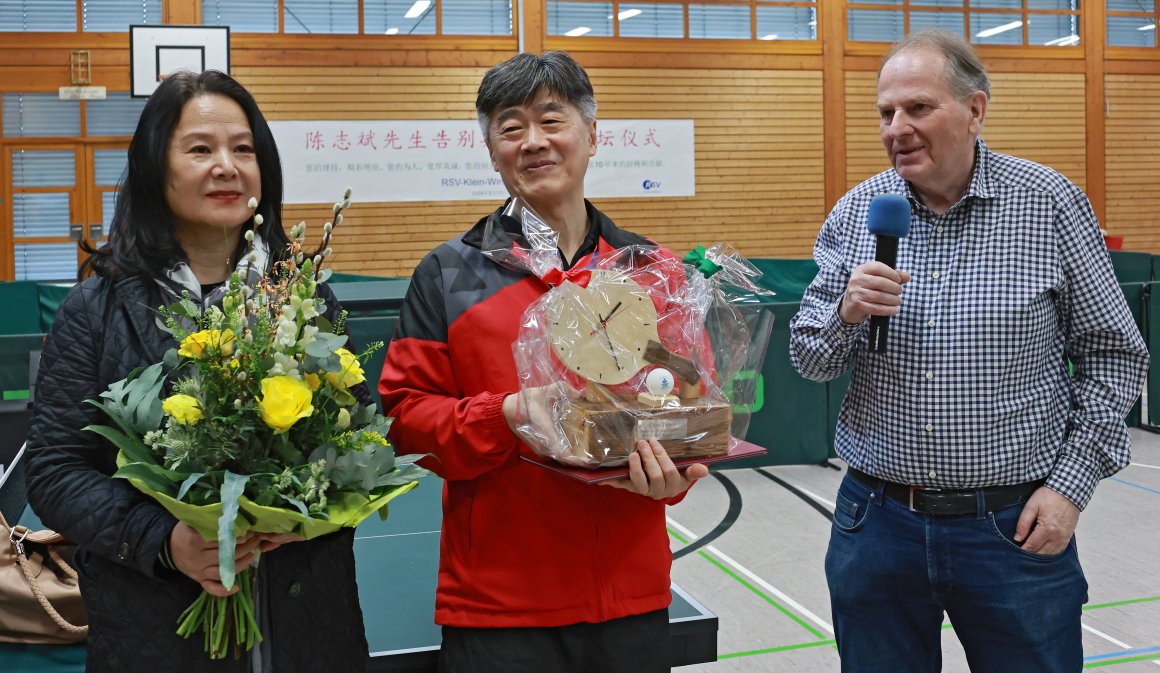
<point>602,229</point>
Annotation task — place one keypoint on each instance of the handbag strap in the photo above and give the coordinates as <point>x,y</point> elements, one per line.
<point>16,537</point>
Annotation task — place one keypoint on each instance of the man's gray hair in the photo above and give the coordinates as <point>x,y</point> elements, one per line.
<point>965,73</point>
<point>517,81</point>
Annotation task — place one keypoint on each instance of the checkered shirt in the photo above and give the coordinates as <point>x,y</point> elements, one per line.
<point>973,390</point>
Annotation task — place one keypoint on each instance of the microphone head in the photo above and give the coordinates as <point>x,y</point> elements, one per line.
<point>889,216</point>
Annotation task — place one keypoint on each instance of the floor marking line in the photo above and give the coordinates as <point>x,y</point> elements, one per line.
<point>1128,483</point>
<point>828,503</point>
<point>1150,467</point>
<point>1116,642</point>
<point>1123,653</point>
<point>1101,634</point>
<point>801,609</point>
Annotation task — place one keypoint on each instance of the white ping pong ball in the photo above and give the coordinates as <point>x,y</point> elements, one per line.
<point>659,382</point>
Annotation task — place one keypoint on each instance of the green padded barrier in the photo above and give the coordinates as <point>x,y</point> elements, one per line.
<point>50,296</point>
<point>787,277</point>
<point>18,300</point>
<point>793,421</point>
<point>1132,267</point>
<point>14,350</point>
<point>339,277</point>
<point>364,330</point>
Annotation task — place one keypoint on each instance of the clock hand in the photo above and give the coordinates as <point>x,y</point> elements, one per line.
<point>612,312</point>
<point>611,349</point>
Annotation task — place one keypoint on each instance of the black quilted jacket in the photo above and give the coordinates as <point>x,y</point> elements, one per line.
<point>103,330</point>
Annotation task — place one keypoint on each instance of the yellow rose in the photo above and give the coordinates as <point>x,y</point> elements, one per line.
<point>351,371</point>
<point>195,345</point>
<point>284,401</point>
<point>183,408</point>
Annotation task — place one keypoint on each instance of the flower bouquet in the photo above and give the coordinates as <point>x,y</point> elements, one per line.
<point>258,430</point>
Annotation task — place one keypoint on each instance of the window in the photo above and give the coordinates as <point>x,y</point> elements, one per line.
<point>61,15</point>
<point>117,115</point>
<point>62,183</point>
<point>1132,23</point>
<point>380,17</point>
<point>766,20</point>
<point>40,114</point>
<point>1053,23</point>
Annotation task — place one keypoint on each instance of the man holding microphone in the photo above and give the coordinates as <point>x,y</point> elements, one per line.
<point>972,448</point>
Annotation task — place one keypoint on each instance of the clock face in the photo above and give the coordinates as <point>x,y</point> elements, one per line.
<point>600,332</point>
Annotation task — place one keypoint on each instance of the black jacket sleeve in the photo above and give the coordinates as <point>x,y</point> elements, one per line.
<point>69,468</point>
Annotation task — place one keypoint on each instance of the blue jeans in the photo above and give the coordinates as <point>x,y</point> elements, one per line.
<point>892,573</point>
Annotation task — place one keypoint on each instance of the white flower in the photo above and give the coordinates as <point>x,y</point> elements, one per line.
<point>308,334</point>
<point>252,203</point>
<point>258,220</point>
<point>249,236</point>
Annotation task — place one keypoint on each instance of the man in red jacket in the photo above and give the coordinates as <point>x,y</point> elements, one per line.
<point>538,572</point>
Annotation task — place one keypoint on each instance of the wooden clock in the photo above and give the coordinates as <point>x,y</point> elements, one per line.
<point>606,333</point>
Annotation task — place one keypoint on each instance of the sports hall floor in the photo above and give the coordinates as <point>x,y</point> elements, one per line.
<point>763,575</point>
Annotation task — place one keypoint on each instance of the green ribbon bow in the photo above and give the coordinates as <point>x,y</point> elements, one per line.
<point>697,258</point>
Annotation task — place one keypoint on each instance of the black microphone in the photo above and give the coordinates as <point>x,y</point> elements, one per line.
<point>889,220</point>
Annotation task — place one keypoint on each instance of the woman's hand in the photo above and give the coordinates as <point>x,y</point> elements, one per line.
<point>197,558</point>
<point>651,473</point>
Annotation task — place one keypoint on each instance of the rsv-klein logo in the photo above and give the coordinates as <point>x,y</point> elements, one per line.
<point>650,185</point>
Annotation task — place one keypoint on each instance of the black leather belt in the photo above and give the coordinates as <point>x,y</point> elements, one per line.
<point>948,502</point>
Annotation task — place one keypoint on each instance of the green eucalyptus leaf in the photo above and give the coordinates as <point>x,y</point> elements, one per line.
<point>232,487</point>
<point>188,484</point>
<point>324,325</point>
<point>152,475</point>
<point>298,504</point>
<point>130,444</point>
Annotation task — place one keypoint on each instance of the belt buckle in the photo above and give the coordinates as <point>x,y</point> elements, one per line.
<point>912,489</point>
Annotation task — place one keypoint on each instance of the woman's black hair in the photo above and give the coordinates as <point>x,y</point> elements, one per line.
<point>141,237</point>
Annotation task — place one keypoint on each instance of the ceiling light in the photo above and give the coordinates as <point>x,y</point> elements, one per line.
<point>1065,41</point>
<point>418,8</point>
<point>999,29</point>
<point>578,31</point>
<point>627,14</point>
<point>1147,26</point>
<point>771,36</point>
<point>391,31</point>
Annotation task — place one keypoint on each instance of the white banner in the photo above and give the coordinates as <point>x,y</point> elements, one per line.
<point>447,160</point>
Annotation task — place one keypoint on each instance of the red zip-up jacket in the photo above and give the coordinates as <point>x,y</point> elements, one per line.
<point>522,546</point>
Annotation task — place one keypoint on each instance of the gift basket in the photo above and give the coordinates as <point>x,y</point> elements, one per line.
<point>639,345</point>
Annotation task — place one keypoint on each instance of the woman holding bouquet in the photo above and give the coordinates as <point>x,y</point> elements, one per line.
<point>201,150</point>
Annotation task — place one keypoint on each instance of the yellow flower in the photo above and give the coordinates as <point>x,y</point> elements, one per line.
<point>312,380</point>
<point>183,408</point>
<point>351,371</point>
<point>343,420</point>
<point>195,345</point>
<point>284,401</point>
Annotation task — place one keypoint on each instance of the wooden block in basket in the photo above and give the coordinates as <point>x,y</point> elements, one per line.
<point>601,432</point>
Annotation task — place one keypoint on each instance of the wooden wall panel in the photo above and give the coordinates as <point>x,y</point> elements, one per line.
<point>1132,161</point>
<point>1039,117</point>
<point>759,155</point>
